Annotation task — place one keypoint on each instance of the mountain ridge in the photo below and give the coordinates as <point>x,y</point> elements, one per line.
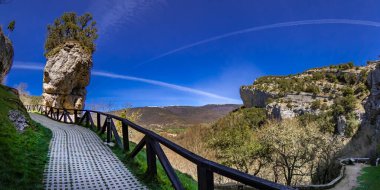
<point>178,116</point>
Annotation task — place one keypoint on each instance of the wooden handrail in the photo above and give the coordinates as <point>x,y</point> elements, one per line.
<point>153,142</point>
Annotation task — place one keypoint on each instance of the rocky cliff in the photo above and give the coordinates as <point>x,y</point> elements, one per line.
<point>366,141</point>
<point>372,103</point>
<point>66,75</point>
<point>343,99</point>
<point>6,55</point>
<point>312,91</point>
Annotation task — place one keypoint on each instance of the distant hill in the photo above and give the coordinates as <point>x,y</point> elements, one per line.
<point>180,116</point>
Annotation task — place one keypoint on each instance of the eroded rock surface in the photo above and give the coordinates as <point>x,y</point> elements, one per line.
<point>372,104</point>
<point>6,55</point>
<point>66,75</point>
<point>18,120</point>
<point>254,98</point>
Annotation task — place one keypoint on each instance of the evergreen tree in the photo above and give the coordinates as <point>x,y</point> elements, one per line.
<point>11,26</point>
<point>71,27</point>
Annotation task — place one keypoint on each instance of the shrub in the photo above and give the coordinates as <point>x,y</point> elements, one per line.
<point>234,141</point>
<point>318,76</point>
<point>352,126</point>
<point>346,66</point>
<point>347,91</point>
<point>315,105</point>
<point>70,27</point>
<point>326,88</point>
<point>324,106</point>
<point>361,88</point>
<point>344,105</point>
<point>312,89</point>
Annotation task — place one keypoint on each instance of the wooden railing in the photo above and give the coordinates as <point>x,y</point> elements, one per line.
<point>153,142</point>
<point>343,162</point>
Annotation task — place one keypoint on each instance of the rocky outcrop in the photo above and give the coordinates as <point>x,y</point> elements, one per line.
<point>277,111</point>
<point>18,119</point>
<point>341,125</point>
<point>254,98</point>
<point>372,104</point>
<point>6,55</point>
<point>66,76</point>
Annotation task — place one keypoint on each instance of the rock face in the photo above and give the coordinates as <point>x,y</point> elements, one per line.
<point>66,75</point>
<point>278,111</point>
<point>6,55</point>
<point>18,119</point>
<point>254,98</point>
<point>372,104</point>
<point>311,92</point>
<point>341,125</point>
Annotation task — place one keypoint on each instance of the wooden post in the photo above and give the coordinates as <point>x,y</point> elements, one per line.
<point>108,129</point>
<point>124,128</point>
<point>87,115</point>
<point>151,159</point>
<point>58,114</point>
<point>98,124</point>
<point>65,116</point>
<point>205,178</point>
<point>75,116</point>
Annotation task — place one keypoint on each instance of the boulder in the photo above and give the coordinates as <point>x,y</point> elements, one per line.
<point>66,76</point>
<point>18,120</point>
<point>6,55</point>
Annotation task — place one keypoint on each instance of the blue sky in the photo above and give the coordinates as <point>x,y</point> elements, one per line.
<point>196,52</point>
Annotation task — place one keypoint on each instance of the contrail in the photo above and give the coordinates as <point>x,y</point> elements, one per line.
<point>28,66</point>
<point>163,84</point>
<point>131,78</point>
<point>266,27</point>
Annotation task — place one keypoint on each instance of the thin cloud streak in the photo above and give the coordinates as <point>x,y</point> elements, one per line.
<point>163,84</point>
<point>22,65</point>
<point>116,13</point>
<point>266,27</point>
<point>27,66</point>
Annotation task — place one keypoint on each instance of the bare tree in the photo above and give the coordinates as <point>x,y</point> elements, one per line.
<point>22,88</point>
<point>292,148</point>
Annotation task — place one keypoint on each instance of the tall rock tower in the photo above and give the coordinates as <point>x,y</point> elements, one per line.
<point>6,56</point>
<point>66,76</point>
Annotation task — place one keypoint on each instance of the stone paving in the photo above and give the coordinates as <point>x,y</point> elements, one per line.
<point>78,159</point>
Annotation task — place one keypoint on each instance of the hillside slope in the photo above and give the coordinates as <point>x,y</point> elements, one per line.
<point>310,119</point>
<point>180,116</point>
<point>22,154</point>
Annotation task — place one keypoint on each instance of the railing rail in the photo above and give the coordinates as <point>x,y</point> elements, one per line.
<point>153,142</point>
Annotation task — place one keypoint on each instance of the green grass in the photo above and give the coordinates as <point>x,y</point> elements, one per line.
<point>138,167</point>
<point>369,179</point>
<point>22,155</point>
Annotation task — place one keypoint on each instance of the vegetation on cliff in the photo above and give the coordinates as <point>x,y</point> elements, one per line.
<point>326,81</point>
<point>292,151</point>
<point>23,155</point>
<point>301,148</point>
<point>71,27</point>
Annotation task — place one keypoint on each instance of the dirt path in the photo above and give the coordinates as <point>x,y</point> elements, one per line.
<point>350,179</point>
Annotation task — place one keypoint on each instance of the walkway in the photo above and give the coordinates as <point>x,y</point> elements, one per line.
<point>350,179</point>
<point>78,159</point>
